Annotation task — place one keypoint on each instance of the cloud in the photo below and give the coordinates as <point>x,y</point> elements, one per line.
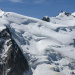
<point>15,0</point>
<point>27,1</point>
<point>11,0</point>
<point>39,1</point>
<point>19,1</point>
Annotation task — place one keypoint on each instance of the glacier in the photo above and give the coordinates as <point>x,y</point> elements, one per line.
<point>49,47</point>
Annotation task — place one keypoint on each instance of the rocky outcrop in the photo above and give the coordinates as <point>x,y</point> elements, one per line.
<point>12,59</point>
<point>46,18</point>
<point>67,14</point>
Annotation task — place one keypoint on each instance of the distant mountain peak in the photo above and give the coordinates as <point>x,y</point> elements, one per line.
<point>62,13</point>
<point>1,12</point>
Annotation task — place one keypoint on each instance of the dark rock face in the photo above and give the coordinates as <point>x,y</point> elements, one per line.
<point>12,60</point>
<point>47,19</point>
<point>67,14</point>
<point>1,69</point>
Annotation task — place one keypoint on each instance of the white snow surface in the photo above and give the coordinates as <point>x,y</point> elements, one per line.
<point>73,14</point>
<point>48,46</point>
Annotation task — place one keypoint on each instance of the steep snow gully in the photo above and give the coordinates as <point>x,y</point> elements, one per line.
<point>30,46</point>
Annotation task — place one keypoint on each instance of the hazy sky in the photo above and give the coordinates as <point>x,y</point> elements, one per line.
<point>38,8</point>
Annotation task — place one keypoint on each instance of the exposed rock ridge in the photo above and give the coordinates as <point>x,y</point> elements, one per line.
<point>12,60</point>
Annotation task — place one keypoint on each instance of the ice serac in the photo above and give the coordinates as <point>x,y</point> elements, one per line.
<point>12,59</point>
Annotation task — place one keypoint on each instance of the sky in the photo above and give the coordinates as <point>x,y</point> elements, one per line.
<point>38,8</point>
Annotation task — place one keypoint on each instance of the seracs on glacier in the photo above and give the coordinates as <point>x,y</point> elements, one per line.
<point>49,47</point>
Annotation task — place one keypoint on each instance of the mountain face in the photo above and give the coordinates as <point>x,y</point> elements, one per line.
<point>12,60</point>
<point>30,46</point>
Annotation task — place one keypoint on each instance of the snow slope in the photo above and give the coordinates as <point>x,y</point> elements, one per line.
<point>48,46</point>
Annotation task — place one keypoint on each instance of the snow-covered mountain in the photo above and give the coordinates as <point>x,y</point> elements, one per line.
<point>47,48</point>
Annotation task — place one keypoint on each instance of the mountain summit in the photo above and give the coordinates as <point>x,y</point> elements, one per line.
<point>29,46</point>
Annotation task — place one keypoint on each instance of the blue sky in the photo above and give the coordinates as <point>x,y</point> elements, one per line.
<point>38,8</point>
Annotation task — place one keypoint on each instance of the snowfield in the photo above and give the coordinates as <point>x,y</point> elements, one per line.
<point>49,47</point>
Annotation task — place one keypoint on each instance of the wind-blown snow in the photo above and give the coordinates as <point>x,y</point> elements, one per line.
<point>48,46</point>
